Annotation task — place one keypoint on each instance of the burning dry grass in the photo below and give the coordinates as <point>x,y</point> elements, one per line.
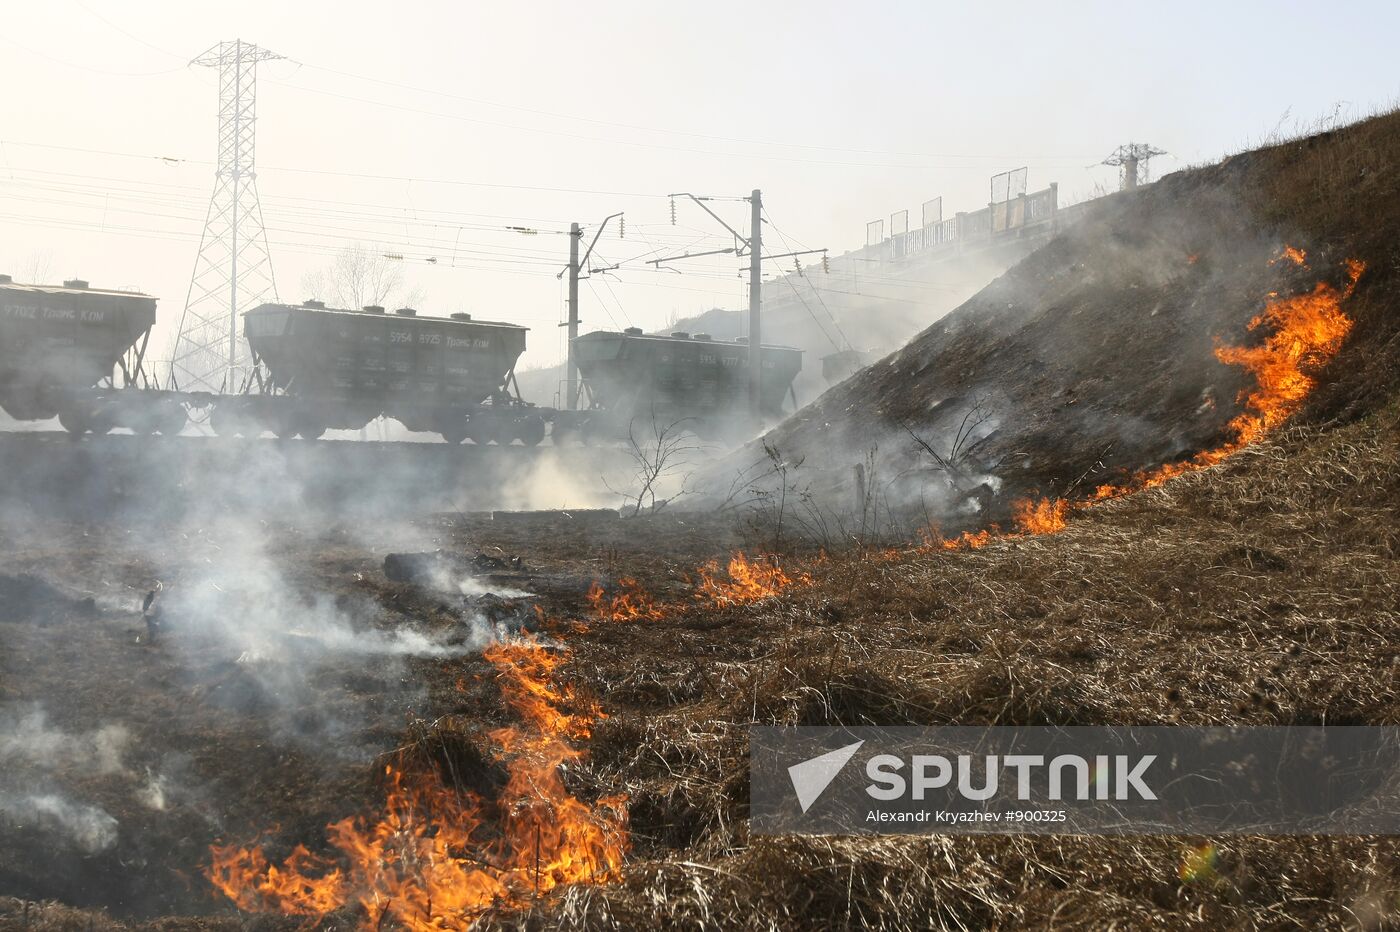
<point>1018,630</point>
<point>441,854</point>
<point>1265,590</point>
<point>1302,333</point>
<point>747,581</point>
<point>740,582</point>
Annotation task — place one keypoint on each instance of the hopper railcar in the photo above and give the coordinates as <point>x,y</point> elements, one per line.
<point>318,367</point>
<point>694,381</point>
<point>78,353</point>
<point>68,352</point>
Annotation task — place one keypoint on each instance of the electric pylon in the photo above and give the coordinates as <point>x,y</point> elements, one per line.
<point>233,270</point>
<point>1134,159</point>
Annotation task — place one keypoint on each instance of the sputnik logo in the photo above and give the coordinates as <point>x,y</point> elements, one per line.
<point>811,777</point>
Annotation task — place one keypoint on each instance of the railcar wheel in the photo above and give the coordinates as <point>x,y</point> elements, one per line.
<point>171,418</point>
<point>74,421</point>
<point>311,430</point>
<point>482,429</point>
<point>531,430</point>
<point>226,420</point>
<point>101,421</point>
<point>284,424</point>
<point>454,433</point>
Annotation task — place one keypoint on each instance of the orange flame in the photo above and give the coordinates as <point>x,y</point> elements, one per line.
<point>749,581</point>
<point>967,540</point>
<point>428,860</point>
<point>1032,516</point>
<point>433,859</point>
<point>629,603</point>
<point>1043,516</point>
<point>1305,332</point>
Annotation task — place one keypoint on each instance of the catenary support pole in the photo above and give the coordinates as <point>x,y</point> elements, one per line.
<point>755,302</point>
<point>571,376</point>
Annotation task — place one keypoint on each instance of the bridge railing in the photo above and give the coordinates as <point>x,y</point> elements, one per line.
<point>1026,215</point>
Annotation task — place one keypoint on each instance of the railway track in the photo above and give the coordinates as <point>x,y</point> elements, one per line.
<point>53,472</point>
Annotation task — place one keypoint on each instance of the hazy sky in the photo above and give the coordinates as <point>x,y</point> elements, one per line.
<point>425,129</point>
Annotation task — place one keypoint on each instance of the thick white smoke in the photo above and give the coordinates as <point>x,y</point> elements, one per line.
<point>34,755</point>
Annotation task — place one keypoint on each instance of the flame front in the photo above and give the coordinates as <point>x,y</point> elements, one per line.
<point>630,602</point>
<point>749,581</point>
<point>1042,516</point>
<point>433,859</point>
<point>1304,333</point>
<point>967,540</point>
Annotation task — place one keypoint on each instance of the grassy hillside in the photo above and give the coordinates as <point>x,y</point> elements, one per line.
<point>1095,357</point>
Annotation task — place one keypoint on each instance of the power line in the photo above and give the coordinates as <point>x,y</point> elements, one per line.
<point>91,12</point>
<point>419,111</point>
<point>81,67</point>
<point>671,132</point>
<point>788,279</point>
<point>335,173</point>
<point>279,202</point>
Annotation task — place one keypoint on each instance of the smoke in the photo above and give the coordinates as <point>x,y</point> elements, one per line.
<point>189,481</point>
<point>273,654</point>
<point>27,739</point>
<point>1089,359</point>
<point>275,646</point>
<point>557,479</point>
<point>34,754</point>
<point>155,792</point>
<point>90,828</point>
<point>859,303</point>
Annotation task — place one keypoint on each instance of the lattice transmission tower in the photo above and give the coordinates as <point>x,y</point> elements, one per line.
<point>1134,160</point>
<point>233,270</point>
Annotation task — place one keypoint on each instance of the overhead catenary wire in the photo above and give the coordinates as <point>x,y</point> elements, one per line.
<point>373,223</point>
<point>788,278</point>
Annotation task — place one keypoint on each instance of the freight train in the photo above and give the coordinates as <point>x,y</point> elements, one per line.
<point>79,354</point>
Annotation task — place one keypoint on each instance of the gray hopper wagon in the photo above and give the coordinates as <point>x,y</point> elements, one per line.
<point>62,349</point>
<point>334,368</point>
<point>630,376</point>
<point>77,352</point>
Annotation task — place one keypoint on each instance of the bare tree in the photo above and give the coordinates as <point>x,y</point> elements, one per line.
<point>965,440</point>
<point>658,451</point>
<point>38,268</point>
<point>358,277</point>
<point>749,484</point>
